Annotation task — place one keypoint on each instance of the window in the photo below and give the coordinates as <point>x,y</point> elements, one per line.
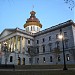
<point>50,47</point>
<point>11,58</point>
<point>43,59</point>
<point>49,38</point>
<point>50,58</point>
<point>43,48</point>
<point>37,60</point>
<point>66,44</point>
<point>31,28</point>
<point>28,50</point>
<point>65,34</point>
<point>23,61</point>
<point>27,29</point>
<point>56,36</point>
<point>57,44</point>
<point>37,50</point>
<point>30,60</point>
<point>68,57</point>
<point>43,39</point>
<point>59,58</point>
<point>37,41</point>
<point>28,41</point>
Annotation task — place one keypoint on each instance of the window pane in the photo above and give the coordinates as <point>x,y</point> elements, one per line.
<point>30,60</point>
<point>43,49</point>
<point>37,60</point>
<point>37,41</point>
<point>65,34</point>
<point>38,50</point>
<point>68,57</point>
<point>66,43</point>
<point>43,39</point>
<point>56,36</point>
<point>11,58</point>
<point>43,59</point>
<point>59,58</point>
<point>28,41</point>
<point>57,44</point>
<point>49,38</point>
<point>50,58</point>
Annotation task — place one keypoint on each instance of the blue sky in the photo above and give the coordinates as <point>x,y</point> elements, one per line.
<point>14,13</point>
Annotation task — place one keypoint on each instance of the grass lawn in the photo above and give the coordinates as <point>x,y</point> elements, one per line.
<point>58,72</point>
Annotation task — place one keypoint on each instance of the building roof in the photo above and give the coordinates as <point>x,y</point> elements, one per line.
<point>32,20</point>
<point>61,25</point>
<point>58,26</point>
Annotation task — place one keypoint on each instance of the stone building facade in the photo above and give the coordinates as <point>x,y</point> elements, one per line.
<point>32,46</point>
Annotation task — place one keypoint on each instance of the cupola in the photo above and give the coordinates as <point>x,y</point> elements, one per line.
<point>32,24</point>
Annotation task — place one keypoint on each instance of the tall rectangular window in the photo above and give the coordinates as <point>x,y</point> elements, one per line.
<point>65,34</point>
<point>51,59</point>
<point>30,60</point>
<point>28,41</point>
<point>43,39</point>
<point>66,43</point>
<point>37,50</point>
<point>49,38</point>
<point>59,58</point>
<point>44,59</point>
<point>57,44</point>
<point>68,57</point>
<point>11,58</point>
<point>37,60</point>
<point>56,36</point>
<point>28,50</point>
<point>50,47</point>
<point>37,41</point>
<point>43,48</point>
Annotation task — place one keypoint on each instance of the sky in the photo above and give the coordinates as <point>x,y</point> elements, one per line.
<point>14,13</point>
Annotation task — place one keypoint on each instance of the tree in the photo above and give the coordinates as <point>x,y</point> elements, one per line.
<point>56,52</point>
<point>71,3</point>
<point>32,52</point>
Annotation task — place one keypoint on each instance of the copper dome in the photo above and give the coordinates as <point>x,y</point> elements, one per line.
<point>32,20</point>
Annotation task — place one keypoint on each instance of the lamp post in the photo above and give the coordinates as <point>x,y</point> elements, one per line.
<point>62,39</point>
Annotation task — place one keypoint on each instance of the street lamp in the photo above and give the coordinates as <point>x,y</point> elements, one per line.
<point>61,37</point>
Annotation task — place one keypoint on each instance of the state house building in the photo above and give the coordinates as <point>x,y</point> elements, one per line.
<point>32,46</point>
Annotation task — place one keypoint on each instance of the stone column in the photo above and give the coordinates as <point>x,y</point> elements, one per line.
<point>21,44</point>
<point>16,43</point>
<point>10,44</point>
<point>25,45</point>
<point>13,43</point>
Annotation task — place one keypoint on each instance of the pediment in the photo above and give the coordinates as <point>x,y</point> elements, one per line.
<point>5,33</point>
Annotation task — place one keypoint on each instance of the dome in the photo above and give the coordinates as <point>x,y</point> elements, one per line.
<point>32,20</point>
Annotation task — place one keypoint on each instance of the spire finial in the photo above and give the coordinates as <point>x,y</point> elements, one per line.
<point>32,7</point>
